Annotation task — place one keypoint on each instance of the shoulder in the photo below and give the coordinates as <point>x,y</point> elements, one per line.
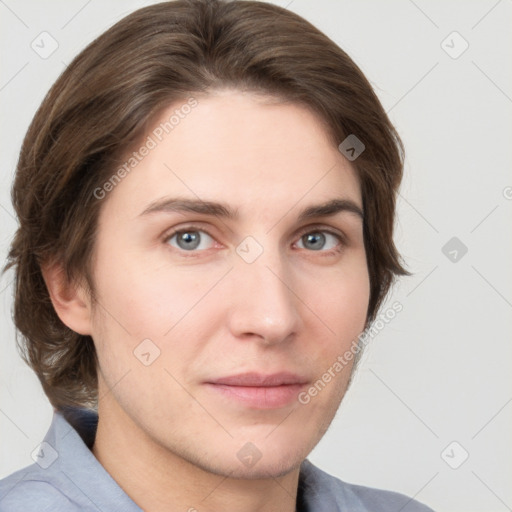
<point>384,501</point>
<point>29,490</point>
<point>328,489</point>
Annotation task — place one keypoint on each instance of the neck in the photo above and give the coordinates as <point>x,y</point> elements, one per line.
<point>157,479</point>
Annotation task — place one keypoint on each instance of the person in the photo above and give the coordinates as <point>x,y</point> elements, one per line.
<point>206,199</point>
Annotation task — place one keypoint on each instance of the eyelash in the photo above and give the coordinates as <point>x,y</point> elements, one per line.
<point>307,230</point>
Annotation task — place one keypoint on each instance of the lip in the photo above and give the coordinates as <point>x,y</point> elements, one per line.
<point>258,390</point>
<point>260,379</point>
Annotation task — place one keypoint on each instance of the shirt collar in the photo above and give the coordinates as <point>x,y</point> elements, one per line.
<point>72,434</point>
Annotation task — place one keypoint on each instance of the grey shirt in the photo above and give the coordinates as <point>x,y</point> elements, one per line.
<point>67,477</point>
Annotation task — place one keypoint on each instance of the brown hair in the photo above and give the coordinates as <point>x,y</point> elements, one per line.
<point>103,103</point>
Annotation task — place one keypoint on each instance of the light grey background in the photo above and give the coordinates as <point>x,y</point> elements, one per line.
<point>440,371</point>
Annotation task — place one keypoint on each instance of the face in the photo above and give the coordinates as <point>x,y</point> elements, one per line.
<point>212,262</point>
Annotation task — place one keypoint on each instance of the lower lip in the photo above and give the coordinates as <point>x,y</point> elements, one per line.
<point>269,397</point>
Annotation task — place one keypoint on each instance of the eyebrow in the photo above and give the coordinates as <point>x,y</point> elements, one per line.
<point>326,209</point>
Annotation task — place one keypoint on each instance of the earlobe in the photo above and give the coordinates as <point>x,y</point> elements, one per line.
<point>70,301</point>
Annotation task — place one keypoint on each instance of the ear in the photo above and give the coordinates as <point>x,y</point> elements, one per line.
<point>70,301</point>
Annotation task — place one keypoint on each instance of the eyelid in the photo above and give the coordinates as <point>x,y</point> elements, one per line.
<point>313,228</point>
<point>183,229</point>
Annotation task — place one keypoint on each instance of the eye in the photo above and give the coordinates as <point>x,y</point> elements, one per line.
<point>320,240</point>
<point>190,239</point>
<point>195,240</point>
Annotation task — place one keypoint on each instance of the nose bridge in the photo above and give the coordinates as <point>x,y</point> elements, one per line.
<point>264,303</point>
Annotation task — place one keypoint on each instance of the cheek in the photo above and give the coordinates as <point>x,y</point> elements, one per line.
<point>341,298</point>
<point>145,295</point>
<point>156,301</point>
<point>339,301</point>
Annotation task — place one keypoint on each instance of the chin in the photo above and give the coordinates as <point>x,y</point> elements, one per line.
<point>261,470</point>
<point>240,465</point>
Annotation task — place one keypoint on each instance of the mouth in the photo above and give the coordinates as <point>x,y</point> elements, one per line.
<point>259,391</point>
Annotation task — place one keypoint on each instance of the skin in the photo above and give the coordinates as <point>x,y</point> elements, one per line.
<point>212,314</point>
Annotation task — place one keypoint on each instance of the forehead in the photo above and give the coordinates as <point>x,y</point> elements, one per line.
<point>237,148</point>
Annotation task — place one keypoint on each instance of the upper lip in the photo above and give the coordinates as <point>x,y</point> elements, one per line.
<point>260,379</point>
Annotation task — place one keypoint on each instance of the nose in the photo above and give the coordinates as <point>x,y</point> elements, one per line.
<point>264,305</point>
